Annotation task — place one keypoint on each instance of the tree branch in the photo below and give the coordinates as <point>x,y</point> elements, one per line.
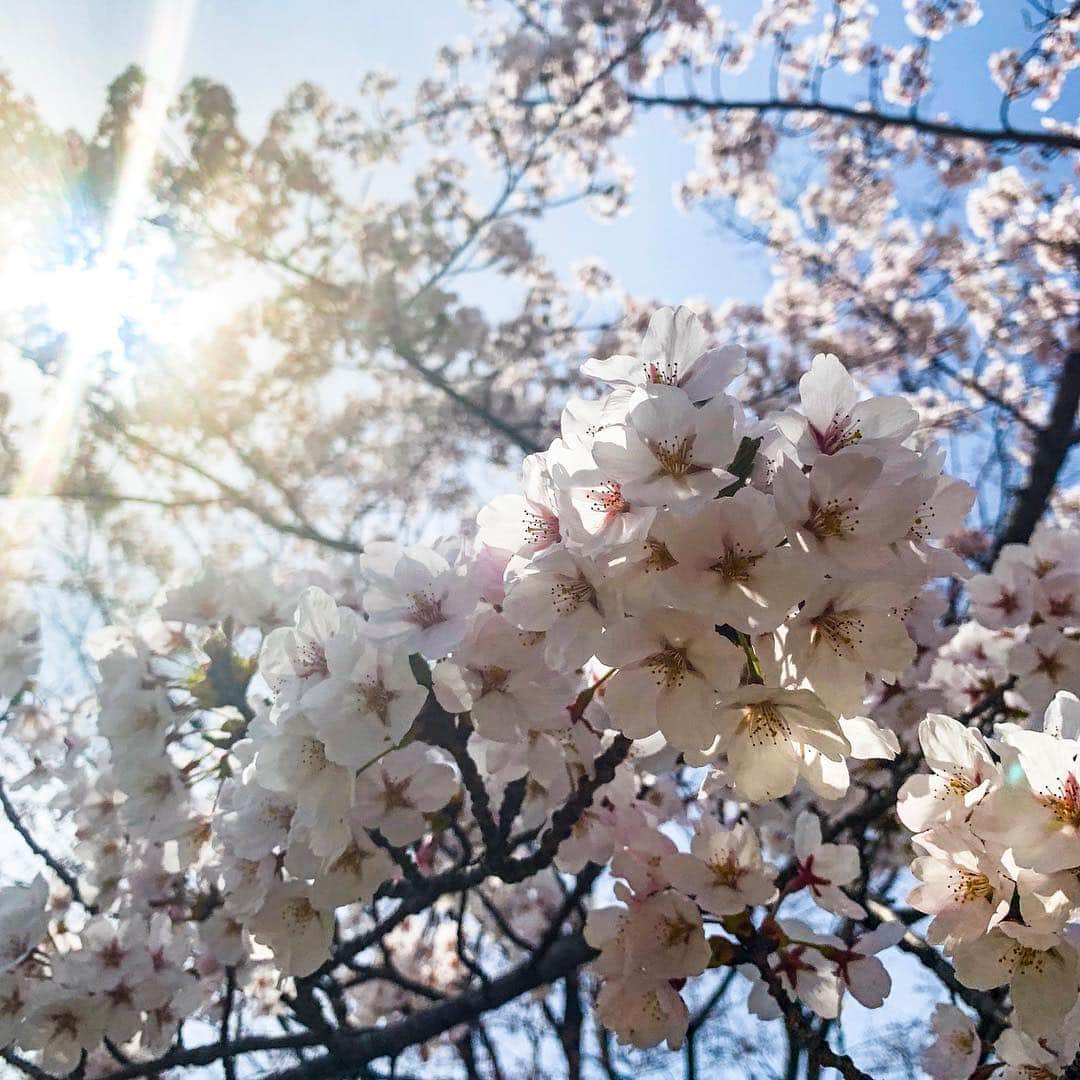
<point>565,957</point>
<point>803,1034</point>
<point>214,1051</point>
<point>1052,446</point>
<point>16,822</point>
<point>1051,140</point>
<point>304,530</point>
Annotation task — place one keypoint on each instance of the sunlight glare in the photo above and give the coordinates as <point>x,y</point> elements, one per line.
<point>88,306</point>
<point>89,302</point>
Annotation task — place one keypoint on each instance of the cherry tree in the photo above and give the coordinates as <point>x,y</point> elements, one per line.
<point>752,690</point>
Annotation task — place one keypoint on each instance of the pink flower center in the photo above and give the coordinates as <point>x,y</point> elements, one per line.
<point>836,436</point>
<point>426,610</point>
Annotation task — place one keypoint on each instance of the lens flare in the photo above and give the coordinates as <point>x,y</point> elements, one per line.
<point>88,305</point>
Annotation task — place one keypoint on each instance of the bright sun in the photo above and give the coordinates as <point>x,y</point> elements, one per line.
<point>89,306</point>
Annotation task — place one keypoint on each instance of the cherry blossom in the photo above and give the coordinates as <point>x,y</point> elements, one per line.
<point>417,601</point>
<point>723,870</point>
<point>822,868</point>
<point>674,352</point>
<point>804,973</point>
<point>394,794</point>
<point>598,516</point>
<point>329,789</point>
<point>669,452</point>
<point>296,656</point>
<point>842,514</point>
<point>833,418</point>
<point>1005,597</point>
<point>671,670</point>
<point>499,677</point>
<point>1041,970</point>
<point>366,704</point>
<point>567,597</point>
<point>61,1025</point>
<point>935,18</point>
<point>956,1046</point>
<point>297,930</point>
<point>1024,1056</point>
<point>963,886</point>
<point>843,632</point>
<point>644,1013</point>
<point>767,734</point>
<point>962,773</point>
<point>23,920</point>
<point>730,565</point>
<point>1046,662</point>
<point>862,974</point>
<point>1037,811</point>
<point>527,523</point>
<point>292,758</point>
<point>641,949</point>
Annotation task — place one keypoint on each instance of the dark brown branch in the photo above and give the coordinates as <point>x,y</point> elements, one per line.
<point>401,349</point>
<point>416,896</point>
<point>352,1051</point>
<point>714,999</point>
<point>570,1029</point>
<point>1052,446</point>
<point>582,887</point>
<point>567,816</point>
<point>387,973</point>
<point>1072,1070</point>
<point>27,1068</point>
<point>403,860</point>
<point>985,392</point>
<point>507,430</point>
<point>440,729</point>
<point>213,1052</point>
<point>933,960</point>
<point>1050,140</point>
<point>802,1033</point>
<point>501,922</point>
<point>228,998</point>
<point>51,861</point>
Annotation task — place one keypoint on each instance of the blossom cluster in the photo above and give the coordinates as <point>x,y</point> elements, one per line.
<point>997,819</point>
<point>707,570</point>
<point>735,612</point>
<point>653,943</point>
<point>661,515</point>
<point>65,991</point>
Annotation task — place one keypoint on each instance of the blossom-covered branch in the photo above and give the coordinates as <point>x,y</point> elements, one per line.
<point>1048,140</point>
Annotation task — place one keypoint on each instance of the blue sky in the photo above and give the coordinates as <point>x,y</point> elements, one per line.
<point>64,53</point>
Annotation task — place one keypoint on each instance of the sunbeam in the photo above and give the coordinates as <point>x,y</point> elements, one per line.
<point>88,304</point>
